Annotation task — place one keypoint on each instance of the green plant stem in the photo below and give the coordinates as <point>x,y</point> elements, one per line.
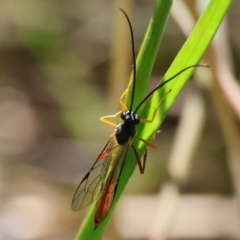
<point>190,54</point>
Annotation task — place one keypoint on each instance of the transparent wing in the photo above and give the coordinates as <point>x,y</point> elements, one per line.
<point>110,187</point>
<point>91,185</point>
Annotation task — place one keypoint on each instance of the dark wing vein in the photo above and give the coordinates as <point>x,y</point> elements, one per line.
<point>110,187</point>
<point>91,185</point>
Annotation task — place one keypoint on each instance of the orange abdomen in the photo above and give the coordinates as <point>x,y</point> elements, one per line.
<point>105,202</point>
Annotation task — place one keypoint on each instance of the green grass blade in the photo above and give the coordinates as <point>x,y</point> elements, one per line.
<point>145,62</point>
<point>190,54</point>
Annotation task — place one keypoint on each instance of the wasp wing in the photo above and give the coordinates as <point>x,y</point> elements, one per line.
<point>91,185</point>
<point>109,190</point>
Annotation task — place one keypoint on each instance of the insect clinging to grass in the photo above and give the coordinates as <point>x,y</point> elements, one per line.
<point>101,182</point>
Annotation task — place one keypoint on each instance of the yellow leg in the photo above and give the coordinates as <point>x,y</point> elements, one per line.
<point>155,111</point>
<point>152,118</point>
<point>104,119</point>
<point>153,143</point>
<point>123,105</point>
<point>124,108</point>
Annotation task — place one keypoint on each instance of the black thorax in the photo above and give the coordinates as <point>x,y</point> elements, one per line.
<point>127,130</point>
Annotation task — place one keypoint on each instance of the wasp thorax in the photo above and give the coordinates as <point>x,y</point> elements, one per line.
<point>130,117</point>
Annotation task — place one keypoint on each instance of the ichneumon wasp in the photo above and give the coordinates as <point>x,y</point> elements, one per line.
<point>101,182</point>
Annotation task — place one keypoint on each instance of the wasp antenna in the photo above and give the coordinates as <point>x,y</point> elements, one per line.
<point>170,79</point>
<point>134,58</point>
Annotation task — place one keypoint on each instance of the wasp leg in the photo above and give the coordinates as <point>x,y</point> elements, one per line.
<point>152,143</point>
<point>123,105</point>
<point>104,119</point>
<point>140,164</point>
<point>155,111</point>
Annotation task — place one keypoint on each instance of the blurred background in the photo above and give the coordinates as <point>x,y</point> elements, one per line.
<point>63,65</point>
